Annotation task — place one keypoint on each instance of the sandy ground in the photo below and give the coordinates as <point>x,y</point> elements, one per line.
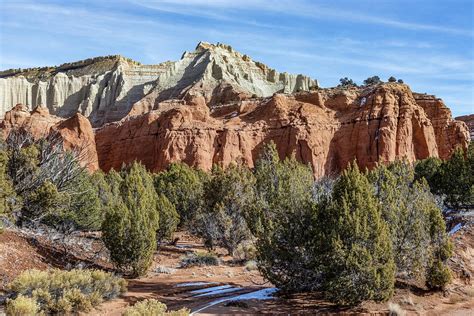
<point>457,300</point>
<point>18,253</point>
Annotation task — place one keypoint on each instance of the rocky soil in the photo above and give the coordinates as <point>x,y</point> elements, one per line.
<point>216,289</point>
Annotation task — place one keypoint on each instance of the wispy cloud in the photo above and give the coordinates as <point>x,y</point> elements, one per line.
<point>309,9</point>
<point>316,38</point>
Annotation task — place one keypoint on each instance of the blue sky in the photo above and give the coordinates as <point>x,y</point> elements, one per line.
<point>427,43</point>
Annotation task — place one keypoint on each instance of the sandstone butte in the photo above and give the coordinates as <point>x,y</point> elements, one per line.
<point>469,120</point>
<point>75,132</point>
<point>327,128</point>
<point>217,106</point>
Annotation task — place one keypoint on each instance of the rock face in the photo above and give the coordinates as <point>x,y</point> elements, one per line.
<point>327,128</point>
<point>75,132</point>
<point>449,132</point>
<point>105,89</point>
<point>217,106</point>
<point>469,120</point>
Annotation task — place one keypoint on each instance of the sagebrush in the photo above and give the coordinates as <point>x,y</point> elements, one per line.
<point>57,291</point>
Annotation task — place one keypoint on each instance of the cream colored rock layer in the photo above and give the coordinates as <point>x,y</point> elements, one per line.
<point>108,93</point>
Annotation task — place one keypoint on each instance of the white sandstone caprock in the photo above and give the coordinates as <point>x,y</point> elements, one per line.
<point>106,88</point>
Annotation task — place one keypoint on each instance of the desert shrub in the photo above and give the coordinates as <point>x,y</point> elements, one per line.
<point>57,291</point>
<point>245,251</point>
<point>285,223</point>
<point>346,82</point>
<point>360,262</point>
<point>392,79</point>
<point>49,182</point>
<point>169,218</point>
<point>130,225</point>
<point>229,194</point>
<point>200,259</point>
<point>152,307</point>
<point>400,81</point>
<point>451,179</point>
<point>395,310</point>
<point>417,227</point>
<point>251,265</point>
<point>372,81</point>
<point>22,306</point>
<point>183,186</point>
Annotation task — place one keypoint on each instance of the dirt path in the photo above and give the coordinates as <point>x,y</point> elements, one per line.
<point>219,285</point>
<point>231,281</point>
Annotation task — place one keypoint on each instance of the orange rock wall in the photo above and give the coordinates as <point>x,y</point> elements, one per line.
<point>76,132</point>
<point>325,128</point>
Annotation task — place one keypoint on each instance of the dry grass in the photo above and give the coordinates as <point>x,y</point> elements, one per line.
<point>66,292</point>
<point>407,300</point>
<point>395,310</point>
<point>456,299</point>
<point>152,307</point>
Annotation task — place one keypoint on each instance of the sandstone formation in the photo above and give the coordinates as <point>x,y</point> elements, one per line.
<point>448,131</point>
<point>217,106</point>
<point>469,120</point>
<point>76,132</point>
<point>327,128</point>
<point>105,89</point>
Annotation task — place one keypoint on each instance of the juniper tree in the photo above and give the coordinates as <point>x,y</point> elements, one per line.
<point>404,206</point>
<point>417,228</point>
<point>346,82</point>
<point>285,223</point>
<point>169,218</point>
<point>53,186</point>
<point>229,194</point>
<point>457,174</point>
<point>45,201</point>
<point>131,222</point>
<point>429,169</point>
<point>372,80</point>
<point>452,179</point>
<point>360,264</point>
<point>438,274</point>
<point>183,186</point>
<point>9,201</point>
<point>85,207</point>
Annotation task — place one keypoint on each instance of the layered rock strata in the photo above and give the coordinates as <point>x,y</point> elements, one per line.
<point>449,132</point>
<point>105,89</point>
<point>217,106</point>
<point>327,128</point>
<point>469,120</point>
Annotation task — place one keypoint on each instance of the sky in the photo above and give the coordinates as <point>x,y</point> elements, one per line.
<point>427,43</point>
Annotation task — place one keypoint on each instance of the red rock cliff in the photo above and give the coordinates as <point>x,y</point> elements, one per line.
<point>327,128</point>
<point>76,132</point>
<point>449,132</point>
<point>469,120</point>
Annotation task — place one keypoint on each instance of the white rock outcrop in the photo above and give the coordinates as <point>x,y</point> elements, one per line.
<point>105,89</point>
